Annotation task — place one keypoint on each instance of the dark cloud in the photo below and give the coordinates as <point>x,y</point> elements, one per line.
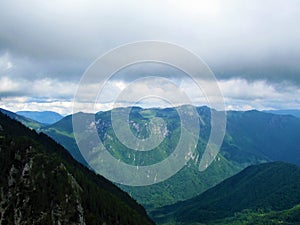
<point>273,69</point>
<point>255,40</point>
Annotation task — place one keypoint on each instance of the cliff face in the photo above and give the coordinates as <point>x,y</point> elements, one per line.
<point>40,183</point>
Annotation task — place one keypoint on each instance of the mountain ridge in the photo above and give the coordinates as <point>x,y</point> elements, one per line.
<point>292,112</point>
<point>32,124</point>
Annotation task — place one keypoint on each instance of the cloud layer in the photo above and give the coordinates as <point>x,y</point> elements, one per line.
<point>251,46</point>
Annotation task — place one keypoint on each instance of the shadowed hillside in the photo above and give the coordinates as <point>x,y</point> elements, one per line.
<point>42,184</point>
<point>265,187</point>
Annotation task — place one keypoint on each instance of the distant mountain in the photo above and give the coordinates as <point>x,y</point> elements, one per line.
<point>44,117</point>
<point>24,120</point>
<point>42,184</point>
<point>262,135</point>
<point>252,137</point>
<point>293,112</point>
<point>260,188</point>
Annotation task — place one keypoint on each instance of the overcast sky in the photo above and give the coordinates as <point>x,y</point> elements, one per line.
<point>251,46</point>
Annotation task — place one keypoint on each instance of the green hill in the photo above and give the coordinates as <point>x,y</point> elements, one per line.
<point>260,188</point>
<point>40,183</point>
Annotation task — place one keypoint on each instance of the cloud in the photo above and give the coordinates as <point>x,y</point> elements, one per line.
<point>244,95</point>
<point>44,88</point>
<point>239,94</point>
<point>247,39</point>
<point>251,46</point>
<point>15,104</point>
<point>5,63</point>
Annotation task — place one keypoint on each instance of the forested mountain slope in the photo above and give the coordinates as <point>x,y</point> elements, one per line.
<point>42,184</point>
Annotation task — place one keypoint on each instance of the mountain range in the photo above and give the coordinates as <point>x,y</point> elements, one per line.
<point>251,137</point>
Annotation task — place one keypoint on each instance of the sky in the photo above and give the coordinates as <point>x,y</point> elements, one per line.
<point>252,47</point>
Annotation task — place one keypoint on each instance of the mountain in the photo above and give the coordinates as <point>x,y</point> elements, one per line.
<point>40,183</point>
<point>24,120</point>
<point>62,132</point>
<point>44,117</point>
<point>251,137</point>
<point>260,188</point>
<point>262,135</point>
<point>163,193</point>
<point>293,112</point>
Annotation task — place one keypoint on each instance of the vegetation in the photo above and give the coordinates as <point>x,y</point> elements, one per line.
<point>252,137</point>
<point>250,217</point>
<point>32,124</point>
<point>255,194</point>
<point>261,194</point>
<point>262,135</point>
<point>42,184</point>
<point>188,183</point>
